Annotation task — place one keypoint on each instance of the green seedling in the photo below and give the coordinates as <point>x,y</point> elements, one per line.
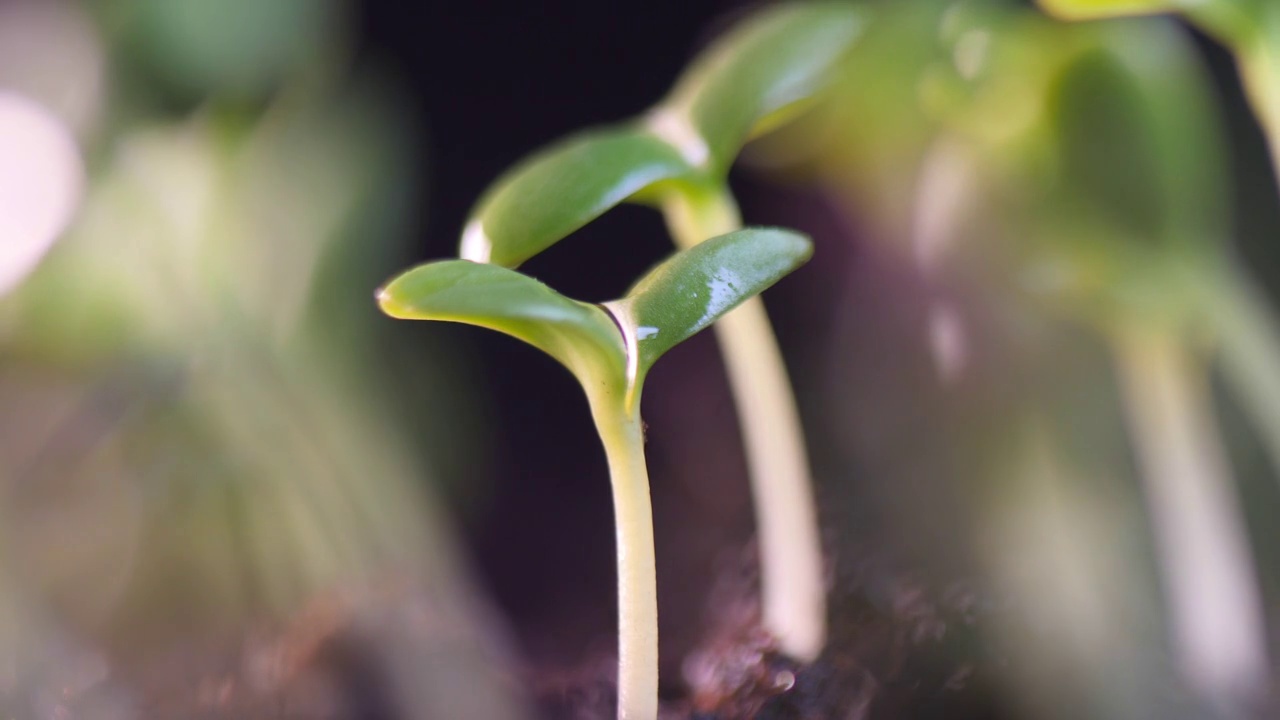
<point>610,349</point>
<point>1116,217</point>
<point>676,157</point>
<point>1249,28</point>
<point>1246,328</point>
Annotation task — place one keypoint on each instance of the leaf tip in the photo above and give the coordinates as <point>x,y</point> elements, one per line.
<point>388,304</point>
<point>799,245</point>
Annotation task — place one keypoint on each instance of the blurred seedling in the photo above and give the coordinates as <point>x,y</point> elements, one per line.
<point>610,348</point>
<point>1113,193</point>
<point>676,157</point>
<point>1245,327</point>
<point>1249,28</point>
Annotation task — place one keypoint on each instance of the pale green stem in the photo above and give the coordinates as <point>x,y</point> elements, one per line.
<point>793,595</point>
<point>1249,341</point>
<point>1206,563</point>
<point>623,437</point>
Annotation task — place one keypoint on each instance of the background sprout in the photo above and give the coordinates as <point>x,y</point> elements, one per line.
<point>610,350</point>
<point>1249,28</point>
<point>676,157</point>
<point>1115,192</point>
<point>1244,326</point>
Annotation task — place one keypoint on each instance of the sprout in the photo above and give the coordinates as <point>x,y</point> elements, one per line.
<point>675,157</point>
<point>610,348</point>
<point>1249,28</point>
<point>1121,200</point>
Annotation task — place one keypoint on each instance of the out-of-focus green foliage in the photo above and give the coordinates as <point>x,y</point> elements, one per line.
<point>1089,159</point>
<point>228,47</point>
<point>195,259</point>
<point>1072,179</point>
<point>1249,28</point>
<point>1115,186</point>
<point>204,448</point>
<point>1237,19</point>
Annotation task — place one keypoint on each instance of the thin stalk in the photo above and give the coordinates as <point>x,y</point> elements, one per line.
<point>1206,562</point>
<point>793,594</point>
<point>623,436</point>
<point>1249,341</point>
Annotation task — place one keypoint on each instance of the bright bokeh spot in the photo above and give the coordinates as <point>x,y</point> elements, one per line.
<point>41,179</point>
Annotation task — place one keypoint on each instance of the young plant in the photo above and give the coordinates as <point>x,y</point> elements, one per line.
<point>610,348</point>
<point>1249,28</point>
<point>1118,223</point>
<point>1247,328</point>
<point>676,157</point>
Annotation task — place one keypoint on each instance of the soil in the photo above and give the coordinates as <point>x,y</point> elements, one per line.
<point>909,653</point>
<point>914,654</point>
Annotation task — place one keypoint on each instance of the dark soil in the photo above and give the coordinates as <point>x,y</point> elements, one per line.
<point>898,649</point>
<point>912,653</point>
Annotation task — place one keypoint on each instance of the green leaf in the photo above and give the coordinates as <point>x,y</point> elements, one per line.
<point>1125,181</point>
<point>238,47</point>
<point>743,84</point>
<point>1105,152</point>
<point>1138,140</point>
<point>580,336</point>
<point>695,287</point>
<point>766,66</point>
<point>1233,21</point>
<point>562,188</point>
<point>1091,9</point>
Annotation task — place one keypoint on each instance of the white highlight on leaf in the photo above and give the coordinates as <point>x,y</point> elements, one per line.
<point>475,245</point>
<point>644,332</point>
<point>41,183</point>
<point>673,127</point>
<point>724,290</point>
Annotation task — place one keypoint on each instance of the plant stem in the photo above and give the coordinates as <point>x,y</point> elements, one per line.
<point>623,437</point>
<point>1249,339</point>
<point>1205,558</point>
<point>794,598</point>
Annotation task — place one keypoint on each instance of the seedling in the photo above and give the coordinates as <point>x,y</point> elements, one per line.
<point>610,348</point>
<point>676,157</point>
<point>1118,223</point>
<point>1247,328</point>
<point>1249,28</point>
